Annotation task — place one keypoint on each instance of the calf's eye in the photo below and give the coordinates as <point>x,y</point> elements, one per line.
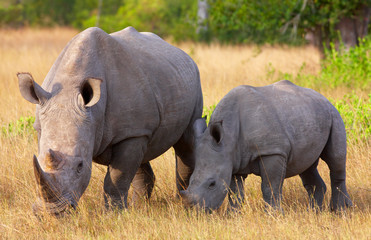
<point>79,167</point>
<point>212,185</point>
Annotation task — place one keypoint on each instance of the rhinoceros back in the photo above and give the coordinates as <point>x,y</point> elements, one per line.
<point>173,79</point>
<point>278,119</point>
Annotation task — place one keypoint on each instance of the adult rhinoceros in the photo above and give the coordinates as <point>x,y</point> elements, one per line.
<point>276,131</point>
<point>117,99</point>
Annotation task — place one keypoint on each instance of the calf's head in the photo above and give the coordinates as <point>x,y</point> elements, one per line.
<point>66,126</point>
<point>211,177</point>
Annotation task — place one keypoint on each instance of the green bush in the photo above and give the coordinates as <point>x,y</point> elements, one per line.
<point>22,127</point>
<point>349,68</point>
<point>356,114</point>
<point>207,112</point>
<point>241,21</point>
<point>11,16</point>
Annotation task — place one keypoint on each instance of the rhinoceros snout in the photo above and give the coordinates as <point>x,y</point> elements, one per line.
<point>185,198</point>
<point>183,194</point>
<point>57,209</point>
<point>188,199</point>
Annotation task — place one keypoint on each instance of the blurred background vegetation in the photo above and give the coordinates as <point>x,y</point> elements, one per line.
<point>339,28</point>
<point>226,21</point>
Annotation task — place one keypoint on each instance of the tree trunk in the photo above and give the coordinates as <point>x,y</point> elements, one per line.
<point>354,27</point>
<point>202,15</point>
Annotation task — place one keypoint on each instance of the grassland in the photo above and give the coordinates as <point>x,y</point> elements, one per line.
<point>221,68</point>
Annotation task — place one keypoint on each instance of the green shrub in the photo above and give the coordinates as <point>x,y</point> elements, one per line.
<point>11,16</point>
<point>349,68</point>
<point>246,21</point>
<point>22,127</point>
<point>207,112</point>
<point>356,114</point>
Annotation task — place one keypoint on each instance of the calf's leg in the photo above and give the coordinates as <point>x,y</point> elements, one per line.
<point>314,185</point>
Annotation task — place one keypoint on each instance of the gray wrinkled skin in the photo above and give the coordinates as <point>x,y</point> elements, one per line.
<point>276,132</point>
<point>117,99</point>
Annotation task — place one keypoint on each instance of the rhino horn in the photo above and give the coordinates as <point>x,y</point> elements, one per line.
<point>39,173</point>
<point>43,180</point>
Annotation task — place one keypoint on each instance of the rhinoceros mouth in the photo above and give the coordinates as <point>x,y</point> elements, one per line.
<point>51,200</point>
<point>63,205</point>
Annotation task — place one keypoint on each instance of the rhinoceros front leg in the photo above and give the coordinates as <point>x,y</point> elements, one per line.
<point>272,172</point>
<point>236,194</point>
<point>126,158</point>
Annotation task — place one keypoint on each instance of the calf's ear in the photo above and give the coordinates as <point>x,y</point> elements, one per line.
<point>30,90</point>
<point>217,132</point>
<point>199,127</point>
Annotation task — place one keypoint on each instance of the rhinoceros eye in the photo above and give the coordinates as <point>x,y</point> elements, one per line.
<point>79,167</point>
<point>212,185</point>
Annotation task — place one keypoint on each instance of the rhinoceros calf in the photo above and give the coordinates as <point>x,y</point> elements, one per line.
<point>276,132</point>
<point>117,99</point>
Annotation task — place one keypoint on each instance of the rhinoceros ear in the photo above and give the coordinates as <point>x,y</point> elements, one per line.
<point>217,131</point>
<point>30,90</point>
<point>199,127</point>
<point>90,91</point>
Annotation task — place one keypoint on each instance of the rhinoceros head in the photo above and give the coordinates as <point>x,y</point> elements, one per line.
<point>213,169</point>
<point>66,128</point>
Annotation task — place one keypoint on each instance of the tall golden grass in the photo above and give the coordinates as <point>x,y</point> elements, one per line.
<point>221,68</point>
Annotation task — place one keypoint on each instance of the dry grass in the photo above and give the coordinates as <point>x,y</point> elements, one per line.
<point>225,67</point>
<point>222,68</point>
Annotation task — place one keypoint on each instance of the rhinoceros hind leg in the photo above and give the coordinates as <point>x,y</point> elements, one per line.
<point>143,182</point>
<point>184,164</point>
<point>314,185</point>
<point>184,149</point>
<point>334,154</point>
<point>236,194</point>
<point>340,198</point>
<point>185,158</point>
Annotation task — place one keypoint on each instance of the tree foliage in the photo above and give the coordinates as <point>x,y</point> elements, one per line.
<point>232,21</point>
<point>249,21</point>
